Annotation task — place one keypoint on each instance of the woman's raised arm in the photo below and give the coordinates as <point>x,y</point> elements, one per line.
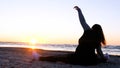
<point>82,19</point>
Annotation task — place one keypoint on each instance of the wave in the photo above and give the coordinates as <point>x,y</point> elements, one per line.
<point>111,49</point>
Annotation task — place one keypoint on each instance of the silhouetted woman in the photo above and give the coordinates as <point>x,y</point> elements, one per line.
<point>91,40</point>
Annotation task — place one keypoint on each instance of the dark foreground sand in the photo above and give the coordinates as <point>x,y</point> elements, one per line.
<point>21,58</point>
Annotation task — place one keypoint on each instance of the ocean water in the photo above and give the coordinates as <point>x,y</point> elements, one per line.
<point>110,49</point>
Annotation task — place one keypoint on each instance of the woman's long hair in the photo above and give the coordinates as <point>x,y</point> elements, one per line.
<point>99,32</point>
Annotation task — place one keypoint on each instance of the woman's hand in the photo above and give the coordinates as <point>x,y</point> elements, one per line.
<point>77,8</point>
<point>104,59</point>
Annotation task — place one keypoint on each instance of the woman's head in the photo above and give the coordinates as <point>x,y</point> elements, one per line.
<point>99,32</point>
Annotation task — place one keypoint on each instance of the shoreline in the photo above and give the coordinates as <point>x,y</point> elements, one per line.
<point>16,57</point>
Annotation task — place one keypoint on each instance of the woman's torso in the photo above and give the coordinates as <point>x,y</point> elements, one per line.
<point>87,44</point>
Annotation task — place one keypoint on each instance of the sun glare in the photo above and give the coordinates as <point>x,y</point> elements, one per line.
<point>33,43</point>
<point>32,47</point>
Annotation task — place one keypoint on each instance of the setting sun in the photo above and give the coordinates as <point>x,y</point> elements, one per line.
<point>33,41</point>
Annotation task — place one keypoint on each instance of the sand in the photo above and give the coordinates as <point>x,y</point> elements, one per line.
<point>22,57</point>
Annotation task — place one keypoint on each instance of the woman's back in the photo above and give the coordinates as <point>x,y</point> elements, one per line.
<point>86,48</point>
<point>86,42</point>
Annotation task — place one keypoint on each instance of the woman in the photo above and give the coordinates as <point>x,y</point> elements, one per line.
<point>91,40</point>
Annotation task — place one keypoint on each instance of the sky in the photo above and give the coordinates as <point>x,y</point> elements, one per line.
<point>55,21</point>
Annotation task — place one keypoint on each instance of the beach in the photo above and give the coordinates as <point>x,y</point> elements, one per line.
<point>14,57</point>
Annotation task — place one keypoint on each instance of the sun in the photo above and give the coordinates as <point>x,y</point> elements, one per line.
<point>33,41</point>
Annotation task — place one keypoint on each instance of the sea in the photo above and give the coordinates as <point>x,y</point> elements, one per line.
<point>110,49</point>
